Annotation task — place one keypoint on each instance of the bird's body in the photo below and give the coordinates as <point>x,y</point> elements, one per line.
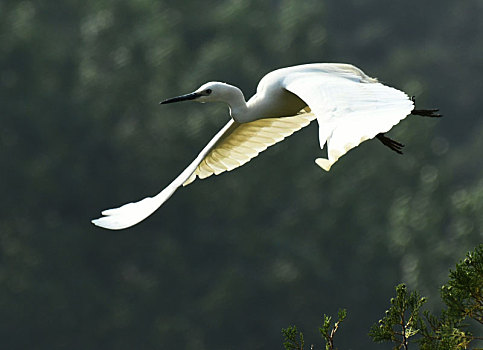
<point>273,99</point>
<point>350,107</point>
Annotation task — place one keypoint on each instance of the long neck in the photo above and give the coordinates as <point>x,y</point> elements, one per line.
<point>238,106</point>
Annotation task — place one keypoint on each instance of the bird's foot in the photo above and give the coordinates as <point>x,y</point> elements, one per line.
<point>426,113</point>
<point>392,144</point>
<point>431,113</point>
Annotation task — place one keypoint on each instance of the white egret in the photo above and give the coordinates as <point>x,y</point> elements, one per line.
<point>350,107</point>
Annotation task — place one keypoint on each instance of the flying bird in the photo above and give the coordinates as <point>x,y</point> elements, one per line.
<point>350,107</point>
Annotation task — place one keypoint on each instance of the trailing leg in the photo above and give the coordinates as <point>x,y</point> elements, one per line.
<point>392,144</point>
<point>432,113</point>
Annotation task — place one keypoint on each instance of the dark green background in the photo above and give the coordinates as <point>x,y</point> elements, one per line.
<point>228,261</point>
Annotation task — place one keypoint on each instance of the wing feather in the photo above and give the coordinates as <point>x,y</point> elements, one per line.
<point>245,141</point>
<point>350,106</point>
<point>130,214</point>
<point>234,145</point>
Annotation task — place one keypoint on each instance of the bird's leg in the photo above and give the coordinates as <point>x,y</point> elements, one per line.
<point>424,112</point>
<point>394,145</point>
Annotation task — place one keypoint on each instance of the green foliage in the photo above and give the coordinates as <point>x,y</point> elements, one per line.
<point>401,320</point>
<point>463,295</point>
<point>443,333</point>
<point>294,340</point>
<point>328,330</point>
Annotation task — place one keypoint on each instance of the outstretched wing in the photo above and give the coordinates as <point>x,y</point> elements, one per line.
<point>350,107</point>
<point>234,145</point>
<point>244,141</point>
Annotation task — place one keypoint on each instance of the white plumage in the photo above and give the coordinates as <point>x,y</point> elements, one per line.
<point>349,106</point>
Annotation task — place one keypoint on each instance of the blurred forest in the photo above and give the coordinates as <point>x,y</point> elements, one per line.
<point>228,261</point>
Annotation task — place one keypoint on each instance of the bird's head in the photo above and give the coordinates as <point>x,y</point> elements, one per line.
<point>213,91</point>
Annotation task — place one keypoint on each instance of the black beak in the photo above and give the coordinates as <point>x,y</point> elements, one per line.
<point>186,97</point>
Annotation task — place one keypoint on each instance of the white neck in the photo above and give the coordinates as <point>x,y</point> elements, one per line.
<point>258,106</point>
<point>238,107</point>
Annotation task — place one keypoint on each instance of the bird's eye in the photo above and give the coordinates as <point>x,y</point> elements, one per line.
<point>208,91</point>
